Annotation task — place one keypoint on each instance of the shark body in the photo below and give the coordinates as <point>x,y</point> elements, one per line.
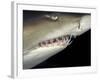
<point>50,28</point>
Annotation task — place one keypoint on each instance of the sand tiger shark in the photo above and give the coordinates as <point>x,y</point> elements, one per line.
<point>49,34</point>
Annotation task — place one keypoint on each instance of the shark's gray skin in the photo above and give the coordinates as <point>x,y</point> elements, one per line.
<point>48,28</point>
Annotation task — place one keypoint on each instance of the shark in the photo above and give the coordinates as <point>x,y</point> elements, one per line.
<point>49,34</point>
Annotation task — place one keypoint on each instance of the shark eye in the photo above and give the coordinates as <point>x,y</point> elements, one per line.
<point>52,17</point>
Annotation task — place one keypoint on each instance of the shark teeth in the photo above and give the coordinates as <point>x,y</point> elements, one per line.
<point>59,41</point>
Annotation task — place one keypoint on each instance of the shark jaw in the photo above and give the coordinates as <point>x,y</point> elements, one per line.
<point>46,49</point>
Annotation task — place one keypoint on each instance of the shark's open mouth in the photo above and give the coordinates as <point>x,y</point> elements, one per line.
<point>46,49</point>
<point>59,41</point>
<point>62,41</point>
